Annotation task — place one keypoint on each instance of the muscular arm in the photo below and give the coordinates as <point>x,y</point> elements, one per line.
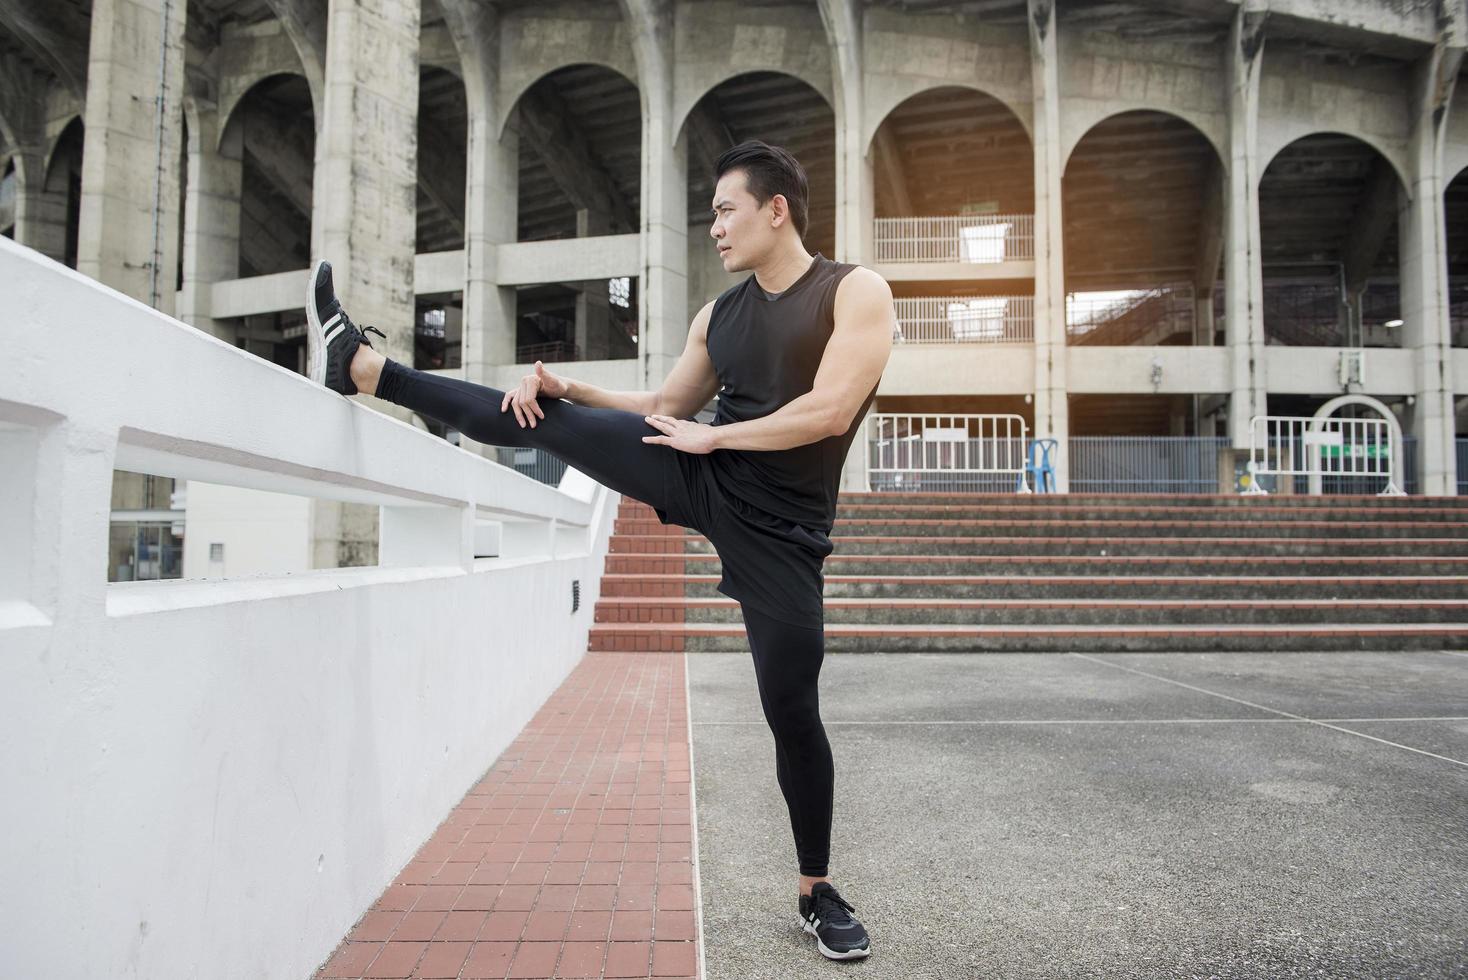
<point>686,389</point>
<point>856,354</point>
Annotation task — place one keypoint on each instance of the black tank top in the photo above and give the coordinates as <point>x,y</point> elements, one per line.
<point>765,351</point>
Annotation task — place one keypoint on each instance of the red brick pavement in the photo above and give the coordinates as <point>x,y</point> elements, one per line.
<point>571,857</point>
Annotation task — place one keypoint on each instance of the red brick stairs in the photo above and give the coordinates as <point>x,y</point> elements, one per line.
<point>930,572</point>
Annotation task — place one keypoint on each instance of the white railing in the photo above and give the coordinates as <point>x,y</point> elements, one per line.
<point>965,319</point>
<point>956,238</point>
<point>907,449</point>
<point>194,745</point>
<point>1289,446</point>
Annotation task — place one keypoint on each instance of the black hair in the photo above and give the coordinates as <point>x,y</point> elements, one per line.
<point>769,170</point>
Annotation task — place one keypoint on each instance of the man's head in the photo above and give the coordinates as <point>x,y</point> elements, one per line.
<point>761,196</point>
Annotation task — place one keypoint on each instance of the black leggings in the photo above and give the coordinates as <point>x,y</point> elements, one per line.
<point>606,444</point>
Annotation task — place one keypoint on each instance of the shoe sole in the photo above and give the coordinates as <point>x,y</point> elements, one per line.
<point>831,954</point>
<point>315,336</point>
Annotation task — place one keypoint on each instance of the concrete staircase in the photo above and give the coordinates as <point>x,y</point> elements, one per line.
<point>976,573</point>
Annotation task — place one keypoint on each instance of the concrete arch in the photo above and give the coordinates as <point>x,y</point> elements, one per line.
<point>509,100</point>
<point>1085,123</point>
<point>880,112</point>
<point>682,109</point>
<point>227,110</point>
<point>1397,162</point>
<point>1394,425</point>
<point>681,115</point>
<point>56,143</point>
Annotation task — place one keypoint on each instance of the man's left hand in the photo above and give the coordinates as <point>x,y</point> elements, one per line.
<point>681,434</point>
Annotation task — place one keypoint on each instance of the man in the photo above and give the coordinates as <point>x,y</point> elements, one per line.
<point>793,354</point>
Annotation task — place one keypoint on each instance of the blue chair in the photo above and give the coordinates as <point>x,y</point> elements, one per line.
<point>1042,474</point>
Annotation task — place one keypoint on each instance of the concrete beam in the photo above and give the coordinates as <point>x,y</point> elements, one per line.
<point>1374,218</point>
<point>305,24</point>
<point>567,260</point>
<point>889,165</point>
<point>545,122</point>
<point>1210,232</point>
<point>57,33</point>
<point>282,150</point>
<point>442,172</point>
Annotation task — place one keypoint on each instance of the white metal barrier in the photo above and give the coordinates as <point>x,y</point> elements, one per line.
<point>1290,446</point>
<point>956,238</point>
<point>965,319</point>
<point>907,446</point>
<point>193,745</point>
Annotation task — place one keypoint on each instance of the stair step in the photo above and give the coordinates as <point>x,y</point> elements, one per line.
<point>647,544</point>
<point>1086,611</point>
<point>920,564</point>
<point>885,638</point>
<point>924,528</point>
<point>1074,586</point>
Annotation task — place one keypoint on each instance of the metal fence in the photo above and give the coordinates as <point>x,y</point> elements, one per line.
<point>964,319</point>
<point>946,452</point>
<point>956,238</point>
<point>1145,464</point>
<point>1354,453</point>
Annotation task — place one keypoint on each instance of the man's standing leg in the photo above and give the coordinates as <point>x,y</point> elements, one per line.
<point>787,667</point>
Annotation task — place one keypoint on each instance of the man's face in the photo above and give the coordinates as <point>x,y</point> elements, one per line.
<point>741,227</point>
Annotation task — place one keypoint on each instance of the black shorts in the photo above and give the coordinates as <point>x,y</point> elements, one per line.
<point>772,563</point>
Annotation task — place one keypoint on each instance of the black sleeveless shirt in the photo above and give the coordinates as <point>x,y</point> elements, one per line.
<point>765,351</point>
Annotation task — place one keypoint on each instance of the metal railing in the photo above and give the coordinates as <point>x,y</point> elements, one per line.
<point>550,352</point>
<point>956,238</point>
<point>1145,464</point>
<point>965,319</point>
<point>946,452</point>
<point>534,463</point>
<point>1290,446</point>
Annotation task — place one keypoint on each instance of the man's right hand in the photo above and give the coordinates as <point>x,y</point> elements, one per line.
<point>522,398</point>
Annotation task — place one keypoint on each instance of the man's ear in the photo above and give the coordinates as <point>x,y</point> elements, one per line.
<point>779,210</point>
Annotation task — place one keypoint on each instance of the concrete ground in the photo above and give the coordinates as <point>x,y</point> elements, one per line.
<point>1114,815</point>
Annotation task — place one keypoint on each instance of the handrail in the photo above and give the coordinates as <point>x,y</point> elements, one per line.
<point>977,238</point>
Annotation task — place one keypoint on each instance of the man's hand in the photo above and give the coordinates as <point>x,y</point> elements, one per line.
<point>522,399</point>
<point>689,437</point>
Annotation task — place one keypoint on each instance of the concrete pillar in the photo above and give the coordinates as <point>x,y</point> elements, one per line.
<point>593,302</point>
<point>128,234</point>
<point>40,214</point>
<point>1243,274</point>
<point>490,200</point>
<point>1052,410</point>
<point>364,208</point>
<point>662,316</point>
<point>211,223</point>
<point>364,198</point>
<point>1422,260</point>
<point>842,19</point>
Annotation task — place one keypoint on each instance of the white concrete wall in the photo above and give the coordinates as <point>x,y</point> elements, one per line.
<point>217,778</point>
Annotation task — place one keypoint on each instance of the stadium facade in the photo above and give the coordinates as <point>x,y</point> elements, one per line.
<point>1140,219</point>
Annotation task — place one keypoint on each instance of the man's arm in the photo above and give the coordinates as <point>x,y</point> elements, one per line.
<point>686,389</point>
<point>855,356</point>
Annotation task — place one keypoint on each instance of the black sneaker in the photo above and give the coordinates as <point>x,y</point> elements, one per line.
<point>823,914</point>
<point>331,337</point>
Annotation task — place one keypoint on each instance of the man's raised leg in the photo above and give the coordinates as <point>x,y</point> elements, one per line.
<point>604,443</point>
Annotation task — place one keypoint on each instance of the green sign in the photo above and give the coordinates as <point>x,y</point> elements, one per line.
<point>1360,450</point>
